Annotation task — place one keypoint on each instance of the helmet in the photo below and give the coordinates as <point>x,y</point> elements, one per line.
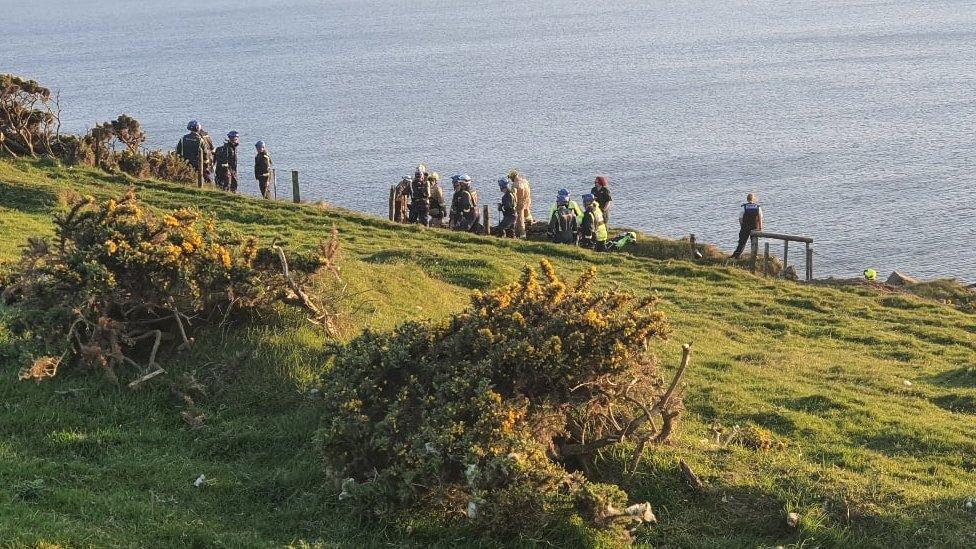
<point>602,181</point>
<point>456,178</point>
<point>421,168</point>
<point>259,145</point>
<point>504,184</point>
<point>587,198</point>
<point>563,193</point>
<point>434,176</point>
<point>193,125</point>
<point>233,135</point>
<point>466,178</point>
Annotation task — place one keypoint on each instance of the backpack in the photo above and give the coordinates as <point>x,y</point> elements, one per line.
<point>420,190</point>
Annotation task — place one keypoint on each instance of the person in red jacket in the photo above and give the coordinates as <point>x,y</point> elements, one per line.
<point>601,193</point>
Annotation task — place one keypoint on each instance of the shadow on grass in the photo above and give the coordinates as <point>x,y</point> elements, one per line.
<point>27,199</point>
<point>472,273</point>
<point>964,377</point>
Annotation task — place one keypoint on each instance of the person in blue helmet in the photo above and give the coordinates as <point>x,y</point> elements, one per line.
<point>263,166</point>
<point>508,209</point>
<point>225,163</point>
<point>750,220</point>
<point>563,225</point>
<point>593,230</point>
<point>464,205</point>
<point>564,196</point>
<point>192,148</point>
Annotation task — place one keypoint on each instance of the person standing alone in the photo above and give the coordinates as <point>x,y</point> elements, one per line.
<point>750,220</point>
<point>262,169</point>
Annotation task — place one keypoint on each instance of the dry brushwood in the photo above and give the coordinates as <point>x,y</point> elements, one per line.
<point>117,280</point>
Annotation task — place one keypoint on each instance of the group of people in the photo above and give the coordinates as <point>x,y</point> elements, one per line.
<point>421,199</point>
<point>219,165</point>
<point>586,226</point>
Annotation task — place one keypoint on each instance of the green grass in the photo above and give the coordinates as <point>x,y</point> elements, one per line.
<point>868,459</point>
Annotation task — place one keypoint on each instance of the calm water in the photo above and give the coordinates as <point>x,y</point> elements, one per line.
<point>853,121</point>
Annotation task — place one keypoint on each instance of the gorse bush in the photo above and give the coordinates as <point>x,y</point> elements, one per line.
<point>117,277</point>
<point>28,116</point>
<point>30,124</point>
<point>499,411</point>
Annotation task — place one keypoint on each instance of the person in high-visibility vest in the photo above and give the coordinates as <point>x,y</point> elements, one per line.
<point>593,231</point>
<point>564,196</point>
<point>750,220</point>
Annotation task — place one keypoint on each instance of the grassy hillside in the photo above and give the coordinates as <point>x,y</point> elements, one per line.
<point>873,397</point>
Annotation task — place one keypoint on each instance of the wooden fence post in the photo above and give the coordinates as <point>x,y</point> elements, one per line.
<point>392,201</point>
<point>766,261</point>
<point>691,241</point>
<point>486,219</point>
<point>755,253</point>
<point>296,196</point>
<point>786,255</point>
<point>809,263</point>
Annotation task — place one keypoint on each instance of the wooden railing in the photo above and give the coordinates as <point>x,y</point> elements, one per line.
<point>786,238</point>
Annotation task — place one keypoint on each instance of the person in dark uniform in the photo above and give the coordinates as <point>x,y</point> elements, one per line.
<point>563,228</point>
<point>464,206</point>
<point>750,220</point>
<point>225,161</point>
<point>262,169</point>
<point>191,148</point>
<point>508,209</point>
<point>420,197</point>
<point>601,193</point>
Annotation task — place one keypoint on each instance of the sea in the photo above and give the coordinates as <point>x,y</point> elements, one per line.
<point>853,121</point>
